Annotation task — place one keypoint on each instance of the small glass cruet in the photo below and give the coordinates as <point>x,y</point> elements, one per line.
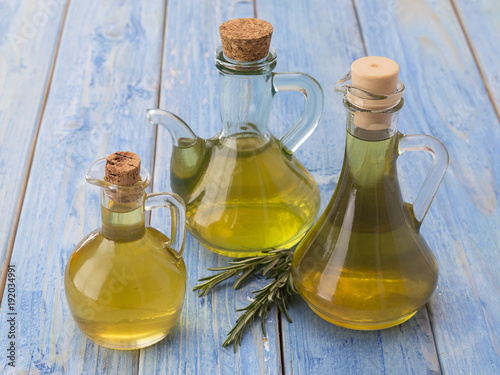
<point>244,189</point>
<point>125,282</point>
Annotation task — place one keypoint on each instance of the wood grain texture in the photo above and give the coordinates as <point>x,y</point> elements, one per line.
<point>105,77</point>
<point>445,97</point>
<point>190,89</point>
<point>322,38</point>
<point>24,78</point>
<point>481,23</point>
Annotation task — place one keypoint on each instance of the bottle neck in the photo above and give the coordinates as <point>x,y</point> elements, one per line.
<point>368,162</point>
<point>372,125</point>
<point>245,103</point>
<point>372,143</point>
<point>246,94</point>
<point>122,218</point>
<point>369,181</point>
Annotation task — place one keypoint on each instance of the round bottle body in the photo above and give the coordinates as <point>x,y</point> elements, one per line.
<point>125,294</point>
<point>248,197</point>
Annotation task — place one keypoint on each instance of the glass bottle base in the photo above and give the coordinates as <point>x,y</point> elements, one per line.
<point>246,253</point>
<point>364,325</point>
<point>125,343</point>
<point>234,254</point>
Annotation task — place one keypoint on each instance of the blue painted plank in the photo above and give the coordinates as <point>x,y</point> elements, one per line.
<point>322,38</point>
<point>106,75</point>
<point>24,78</point>
<point>445,97</point>
<point>190,89</point>
<point>481,20</point>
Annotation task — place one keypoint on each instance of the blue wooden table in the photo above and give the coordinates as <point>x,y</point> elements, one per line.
<point>76,78</point>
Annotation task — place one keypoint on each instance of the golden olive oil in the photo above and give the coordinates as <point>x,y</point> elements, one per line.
<point>246,196</point>
<point>364,265</point>
<point>124,288</point>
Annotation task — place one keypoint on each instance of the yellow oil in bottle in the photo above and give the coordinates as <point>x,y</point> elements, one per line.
<point>248,196</point>
<point>124,288</point>
<point>364,265</point>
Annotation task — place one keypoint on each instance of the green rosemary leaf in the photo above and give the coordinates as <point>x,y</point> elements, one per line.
<point>285,312</point>
<point>245,276</point>
<point>270,266</point>
<point>273,264</point>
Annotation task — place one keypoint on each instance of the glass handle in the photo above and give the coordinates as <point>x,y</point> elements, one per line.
<point>178,218</point>
<point>313,107</point>
<point>436,171</point>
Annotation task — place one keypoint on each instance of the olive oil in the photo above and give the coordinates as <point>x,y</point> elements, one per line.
<point>125,283</point>
<point>247,197</point>
<point>364,265</point>
<point>244,191</point>
<point>132,296</point>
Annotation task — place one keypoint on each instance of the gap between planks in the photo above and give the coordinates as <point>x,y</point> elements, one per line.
<point>476,59</point>
<point>279,320</point>
<point>254,2</point>
<point>158,95</point>
<point>427,307</point>
<point>155,142</point>
<point>359,27</point>
<point>19,206</point>
<point>279,323</point>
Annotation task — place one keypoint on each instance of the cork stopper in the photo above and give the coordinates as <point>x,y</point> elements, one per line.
<point>123,168</point>
<point>376,75</point>
<point>246,39</point>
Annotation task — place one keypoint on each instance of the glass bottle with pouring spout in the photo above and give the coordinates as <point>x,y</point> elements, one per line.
<point>364,264</point>
<point>125,282</point>
<point>245,191</point>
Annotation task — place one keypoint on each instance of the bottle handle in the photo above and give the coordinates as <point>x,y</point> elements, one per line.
<point>178,218</point>
<point>313,107</point>
<point>440,160</point>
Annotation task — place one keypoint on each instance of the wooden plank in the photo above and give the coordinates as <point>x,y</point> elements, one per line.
<point>481,22</point>
<point>105,77</point>
<point>445,98</point>
<point>190,89</point>
<point>24,79</point>
<point>322,38</point>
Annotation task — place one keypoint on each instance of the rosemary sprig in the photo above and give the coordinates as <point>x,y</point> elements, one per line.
<point>274,264</point>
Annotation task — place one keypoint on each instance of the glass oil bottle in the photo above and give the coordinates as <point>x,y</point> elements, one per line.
<point>245,191</point>
<point>125,282</point>
<point>365,265</point>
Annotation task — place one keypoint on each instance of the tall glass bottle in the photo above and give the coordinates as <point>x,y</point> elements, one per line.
<point>125,282</point>
<point>364,264</point>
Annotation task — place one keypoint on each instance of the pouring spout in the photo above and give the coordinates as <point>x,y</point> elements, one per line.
<point>182,135</point>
